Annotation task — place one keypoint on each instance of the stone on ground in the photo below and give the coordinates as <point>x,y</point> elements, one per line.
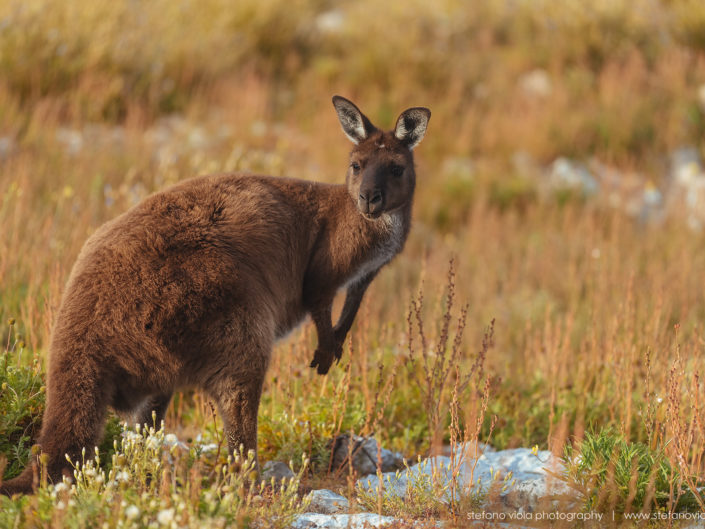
<point>521,477</point>
<point>341,521</point>
<point>324,501</point>
<point>364,455</point>
<point>277,470</point>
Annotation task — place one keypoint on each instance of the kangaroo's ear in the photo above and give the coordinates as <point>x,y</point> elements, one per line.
<point>355,124</point>
<point>411,126</point>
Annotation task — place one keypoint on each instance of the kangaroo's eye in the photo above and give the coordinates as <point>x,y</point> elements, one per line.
<point>396,170</point>
<point>355,166</point>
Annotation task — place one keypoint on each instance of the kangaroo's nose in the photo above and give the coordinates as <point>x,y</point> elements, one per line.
<point>371,200</point>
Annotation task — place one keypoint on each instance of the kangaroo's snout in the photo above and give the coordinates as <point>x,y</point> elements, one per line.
<point>371,201</point>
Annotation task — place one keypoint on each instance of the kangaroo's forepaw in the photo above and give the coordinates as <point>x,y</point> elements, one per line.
<point>322,360</point>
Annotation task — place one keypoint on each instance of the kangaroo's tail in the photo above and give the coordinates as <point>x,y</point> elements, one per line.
<point>25,483</point>
<point>76,404</point>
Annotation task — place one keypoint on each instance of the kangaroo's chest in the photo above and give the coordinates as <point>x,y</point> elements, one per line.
<point>382,251</point>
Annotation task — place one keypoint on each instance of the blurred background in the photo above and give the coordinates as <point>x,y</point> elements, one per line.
<point>562,169</point>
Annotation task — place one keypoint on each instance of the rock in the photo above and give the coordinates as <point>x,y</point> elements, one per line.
<point>685,165</point>
<point>364,455</point>
<point>277,470</point>
<point>340,521</point>
<point>571,175</point>
<point>327,502</point>
<point>521,475</point>
<point>72,140</point>
<point>533,494</point>
<point>694,525</point>
<point>469,449</point>
<point>688,192</point>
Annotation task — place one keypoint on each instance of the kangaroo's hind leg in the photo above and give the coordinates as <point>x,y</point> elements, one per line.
<point>237,395</point>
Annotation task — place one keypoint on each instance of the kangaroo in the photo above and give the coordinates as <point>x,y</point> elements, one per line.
<point>192,287</point>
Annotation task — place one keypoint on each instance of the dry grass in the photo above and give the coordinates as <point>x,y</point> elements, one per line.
<point>598,319</point>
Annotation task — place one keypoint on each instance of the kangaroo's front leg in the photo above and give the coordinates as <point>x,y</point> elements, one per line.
<point>326,350</point>
<point>353,298</point>
<point>331,339</point>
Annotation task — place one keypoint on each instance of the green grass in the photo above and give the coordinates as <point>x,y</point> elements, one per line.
<point>22,397</point>
<point>615,475</point>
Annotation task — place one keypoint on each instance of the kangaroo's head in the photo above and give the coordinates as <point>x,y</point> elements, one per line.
<point>381,175</point>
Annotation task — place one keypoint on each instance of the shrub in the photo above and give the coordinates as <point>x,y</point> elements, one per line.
<point>612,473</point>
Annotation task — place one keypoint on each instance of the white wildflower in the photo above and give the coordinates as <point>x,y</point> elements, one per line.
<point>123,476</point>
<point>171,439</point>
<point>166,516</point>
<point>153,442</point>
<point>132,512</point>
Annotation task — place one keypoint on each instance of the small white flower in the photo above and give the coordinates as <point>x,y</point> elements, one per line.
<point>132,512</point>
<point>153,442</point>
<point>123,476</point>
<point>171,439</point>
<point>60,487</point>
<point>61,505</point>
<point>166,516</point>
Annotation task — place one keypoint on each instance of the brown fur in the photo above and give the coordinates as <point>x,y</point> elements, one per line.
<point>192,287</point>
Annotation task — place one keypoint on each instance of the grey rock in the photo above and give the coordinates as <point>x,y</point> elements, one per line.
<point>325,501</point>
<point>72,140</point>
<point>522,477</point>
<point>532,494</point>
<point>340,521</point>
<point>364,455</point>
<point>695,525</point>
<point>569,174</point>
<point>685,165</point>
<point>276,470</point>
<point>687,175</point>
<point>467,450</point>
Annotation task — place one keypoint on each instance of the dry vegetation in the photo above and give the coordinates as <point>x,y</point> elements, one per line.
<point>598,318</point>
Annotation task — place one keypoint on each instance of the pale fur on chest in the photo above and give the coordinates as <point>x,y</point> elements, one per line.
<point>384,251</point>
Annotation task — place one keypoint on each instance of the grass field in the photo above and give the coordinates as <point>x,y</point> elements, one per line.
<point>593,293</point>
